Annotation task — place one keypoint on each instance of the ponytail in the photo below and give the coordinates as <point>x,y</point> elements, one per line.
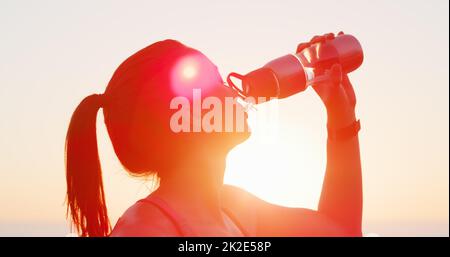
<point>85,195</point>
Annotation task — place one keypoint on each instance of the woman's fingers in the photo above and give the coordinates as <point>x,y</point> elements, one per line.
<point>331,86</point>
<point>323,38</point>
<point>349,90</point>
<point>316,39</point>
<point>329,36</point>
<point>302,46</point>
<point>336,74</point>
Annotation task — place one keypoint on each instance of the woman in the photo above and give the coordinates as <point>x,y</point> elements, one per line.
<point>192,199</point>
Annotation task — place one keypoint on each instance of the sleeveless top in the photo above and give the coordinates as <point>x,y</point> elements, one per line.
<point>180,224</point>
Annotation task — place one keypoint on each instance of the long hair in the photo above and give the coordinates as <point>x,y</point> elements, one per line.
<point>85,194</point>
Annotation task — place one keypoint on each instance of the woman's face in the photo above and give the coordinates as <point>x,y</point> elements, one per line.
<point>215,114</point>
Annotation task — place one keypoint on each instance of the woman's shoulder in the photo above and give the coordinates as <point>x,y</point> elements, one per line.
<point>232,193</point>
<point>237,196</point>
<point>143,219</point>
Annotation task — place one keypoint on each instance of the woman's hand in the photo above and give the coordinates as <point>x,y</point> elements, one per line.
<point>336,92</point>
<point>341,197</point>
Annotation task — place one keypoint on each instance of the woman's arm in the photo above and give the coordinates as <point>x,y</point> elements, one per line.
<point>340,207</point>
<point>341,198</point>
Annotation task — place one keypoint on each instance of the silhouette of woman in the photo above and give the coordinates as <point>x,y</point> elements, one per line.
<point>192,199</point>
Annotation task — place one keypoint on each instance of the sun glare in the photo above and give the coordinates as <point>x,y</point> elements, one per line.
<point>270,167</point>
<point>189,71</point>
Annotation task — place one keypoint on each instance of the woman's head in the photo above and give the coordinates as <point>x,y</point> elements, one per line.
<point>140,122</point>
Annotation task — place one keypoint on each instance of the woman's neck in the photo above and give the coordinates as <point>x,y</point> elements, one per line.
<point>194,186</point>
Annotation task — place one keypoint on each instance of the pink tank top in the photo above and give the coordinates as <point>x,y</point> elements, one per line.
<point>180,224</point>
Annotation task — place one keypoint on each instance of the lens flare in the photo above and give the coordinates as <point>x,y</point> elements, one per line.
<point>194,71</point>
<point>189,71</point>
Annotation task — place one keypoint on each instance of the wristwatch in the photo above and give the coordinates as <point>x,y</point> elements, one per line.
<point>344,133</point>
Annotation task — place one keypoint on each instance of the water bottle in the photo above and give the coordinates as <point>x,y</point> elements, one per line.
<point>293,73</point>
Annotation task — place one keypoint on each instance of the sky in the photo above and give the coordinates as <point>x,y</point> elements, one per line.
<point>54,53</point>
